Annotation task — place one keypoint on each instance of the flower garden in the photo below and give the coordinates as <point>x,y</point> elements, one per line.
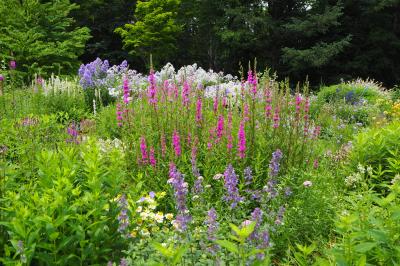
<point>194,167</point>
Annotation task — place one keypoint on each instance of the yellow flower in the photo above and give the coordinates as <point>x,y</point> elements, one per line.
<point>139,209</point>
<point>169,216</point>
<point>133,234</point>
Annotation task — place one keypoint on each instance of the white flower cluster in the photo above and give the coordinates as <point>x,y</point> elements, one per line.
<point>355,178</point>
<point>55,84</point>
<point>211,81</point>
<point>108,145</point>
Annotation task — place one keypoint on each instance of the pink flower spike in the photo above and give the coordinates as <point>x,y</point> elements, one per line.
<point>220,127</point>
<point>176,142</point>
<point>143,149</point>
<point>152,90</point>
<point>246,112</point>
<point>241,141</point>
<point>199,115</point>
<point>276,118</point>
<point>185,94</point>
<point>215,104</point>
<point>126,90</point>
<point>152,157</point>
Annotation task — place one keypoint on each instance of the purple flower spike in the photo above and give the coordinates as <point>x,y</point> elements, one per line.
<point>212,224</point>
<point>231,182</point>
<point>123,217</point>
<point>274,163</point>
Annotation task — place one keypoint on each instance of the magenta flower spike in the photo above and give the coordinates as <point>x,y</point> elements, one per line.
<point>126,90</point>
<point>242,141</point>
<point>176,142</point>
<point>152,90</point>
<point>152,158</point>
<point>143,150</point>
<point>199,115</point>
<point>246,112</point>
<point>276,117</point>
<point>215,104</point>
<point>185,94</point>
<point>268,107</point>
<point>220,127</point>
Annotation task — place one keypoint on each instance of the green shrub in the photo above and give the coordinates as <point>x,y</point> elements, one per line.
<point>380,149</point>
<point>369,231</point>
<point>351,93</point>
<point>65,214</point>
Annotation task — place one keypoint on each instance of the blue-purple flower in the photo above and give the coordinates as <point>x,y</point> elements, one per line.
<point>248,176</point>
<point>256,216</point>
<point>274,163</point>
<point>180,192</point>
<point>231,182</point>
<point>123,217</point>
<point>212,224</point>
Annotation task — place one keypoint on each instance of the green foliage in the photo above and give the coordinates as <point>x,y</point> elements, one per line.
<point>64,215</point>
<point>102,17</point>
<point>154,30</point>
<point>368,232</point>
<point>351,93</point>
<point>379,148</point>
<point>40,36</point>
<point>238,248</point>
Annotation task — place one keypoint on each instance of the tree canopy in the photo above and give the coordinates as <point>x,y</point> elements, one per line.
<point>40,36</point>
<point>326,40</point>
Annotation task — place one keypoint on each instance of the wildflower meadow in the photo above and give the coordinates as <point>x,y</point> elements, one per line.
<point>112,162</point>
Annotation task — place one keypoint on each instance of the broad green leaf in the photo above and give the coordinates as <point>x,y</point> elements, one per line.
<point>235,228</point>
<point>167,252</point>
<point>365,247</point>
<point>247,230</point>
<point>179,254</point>
<point>228,245</point>
<point>362,261</point>
<point>54,236</point>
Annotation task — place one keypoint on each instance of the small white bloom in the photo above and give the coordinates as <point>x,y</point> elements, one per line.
<point>195,197</point>
<point>218,176</point>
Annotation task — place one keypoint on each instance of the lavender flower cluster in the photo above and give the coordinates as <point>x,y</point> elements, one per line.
<point>123,217</point>
<point>231,182</point>
<point>94,74</point>
<point>180,192</point>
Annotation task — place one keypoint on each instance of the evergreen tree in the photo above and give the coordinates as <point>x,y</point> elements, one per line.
<point>154,30</point>
<point>39,35</point>
<point>375,46</point>
<point>315,39</point>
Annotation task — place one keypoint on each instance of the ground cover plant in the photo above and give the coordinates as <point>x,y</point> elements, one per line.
<point>196,167</point>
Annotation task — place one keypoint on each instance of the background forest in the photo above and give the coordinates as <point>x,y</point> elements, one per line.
<point>322,39</point>
<point>200,132</point>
